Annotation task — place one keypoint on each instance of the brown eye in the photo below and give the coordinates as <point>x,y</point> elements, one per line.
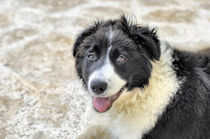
<point>121,59</point>
<point>91,57</point>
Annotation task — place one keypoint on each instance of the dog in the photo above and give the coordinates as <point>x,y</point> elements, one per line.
<point>141,87</point>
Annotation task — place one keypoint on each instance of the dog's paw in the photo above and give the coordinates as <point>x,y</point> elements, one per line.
<point>95,132</point>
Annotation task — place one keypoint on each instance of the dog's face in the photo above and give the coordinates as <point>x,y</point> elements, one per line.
<point>112,56</point>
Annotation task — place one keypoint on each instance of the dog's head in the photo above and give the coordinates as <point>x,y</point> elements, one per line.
<point>113,55</point>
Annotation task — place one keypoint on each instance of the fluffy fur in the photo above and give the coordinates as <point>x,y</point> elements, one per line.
<point>167,91</point>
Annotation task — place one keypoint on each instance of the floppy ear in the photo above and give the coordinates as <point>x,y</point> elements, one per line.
<point>82,37</point>
<point>143,36</point>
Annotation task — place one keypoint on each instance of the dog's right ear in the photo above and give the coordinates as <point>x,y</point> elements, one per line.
<point>80,39</point>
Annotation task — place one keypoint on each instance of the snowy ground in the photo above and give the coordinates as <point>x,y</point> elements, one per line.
<point>40,95</point>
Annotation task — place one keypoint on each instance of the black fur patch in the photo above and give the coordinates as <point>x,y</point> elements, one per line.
<point>188,115</point>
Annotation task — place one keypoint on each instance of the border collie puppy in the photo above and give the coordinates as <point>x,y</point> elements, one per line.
<point>141,88</point>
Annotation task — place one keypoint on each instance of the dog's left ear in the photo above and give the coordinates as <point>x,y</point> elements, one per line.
<point>83,36</point>
<point>143,36</point>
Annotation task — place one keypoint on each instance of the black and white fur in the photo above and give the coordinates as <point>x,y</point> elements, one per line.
<point>167,91</point>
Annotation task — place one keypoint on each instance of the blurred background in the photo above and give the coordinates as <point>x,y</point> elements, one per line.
<point>40,95</point>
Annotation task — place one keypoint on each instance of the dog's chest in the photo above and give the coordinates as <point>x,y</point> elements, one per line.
<point>125,129</point>
<point>118,126</point>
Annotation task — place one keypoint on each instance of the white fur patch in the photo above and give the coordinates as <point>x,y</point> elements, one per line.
<point>136,112</point>
<point>106,73</point>
<point>111,33</point>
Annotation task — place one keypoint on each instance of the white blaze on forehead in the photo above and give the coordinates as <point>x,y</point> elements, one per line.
<point>106,73</point>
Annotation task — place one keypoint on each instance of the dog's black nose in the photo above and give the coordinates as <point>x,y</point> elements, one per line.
<point>98,86</point>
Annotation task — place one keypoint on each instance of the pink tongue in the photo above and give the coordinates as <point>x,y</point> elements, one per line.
<point>101,104</point>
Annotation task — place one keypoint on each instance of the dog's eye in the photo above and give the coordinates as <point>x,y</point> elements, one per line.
<point>91,56</point>
<point>121,59</point>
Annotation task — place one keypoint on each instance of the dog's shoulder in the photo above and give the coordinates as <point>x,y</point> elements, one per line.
<point>187,115</point>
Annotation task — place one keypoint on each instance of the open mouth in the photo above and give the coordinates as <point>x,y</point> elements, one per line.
<point>102,104</point>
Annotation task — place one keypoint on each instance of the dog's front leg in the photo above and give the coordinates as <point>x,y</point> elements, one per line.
<point>95,132</point>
